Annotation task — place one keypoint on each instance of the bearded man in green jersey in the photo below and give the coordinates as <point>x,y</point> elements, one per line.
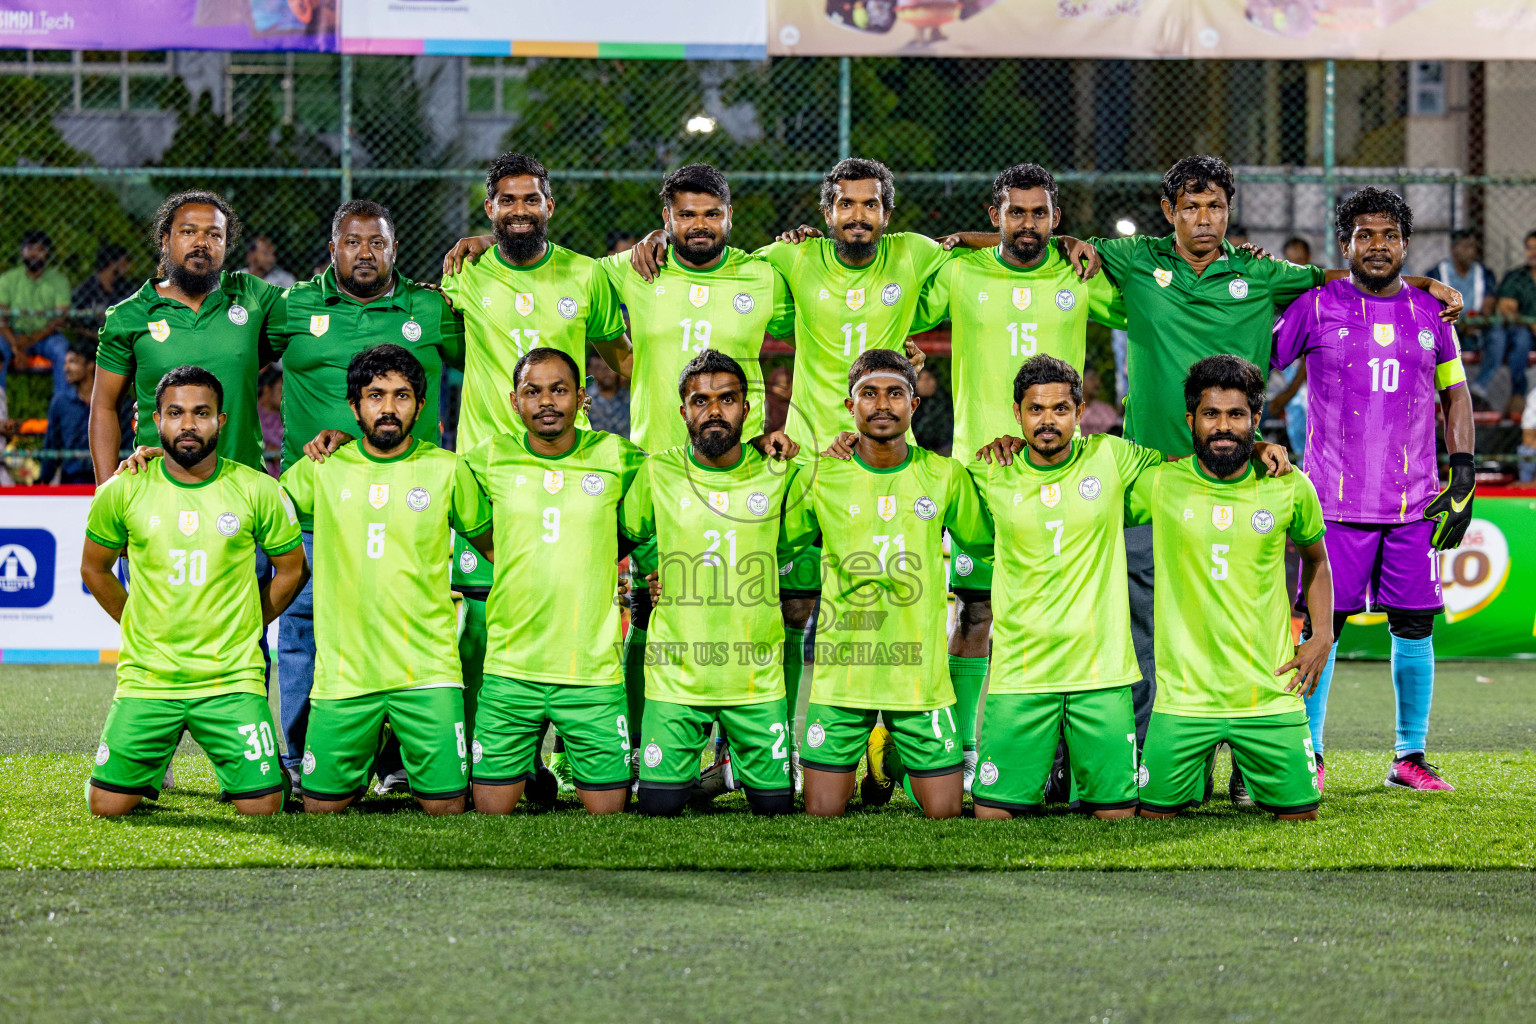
<point>191,524</point>
<point>715,510</point>
<point>881,517</point>
<point>1227,671</point>
<point>384,510</point>
<point>552,651</point>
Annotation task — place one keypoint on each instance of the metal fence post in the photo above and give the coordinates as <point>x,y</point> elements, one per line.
<point>346,127</point>
<point>844,107</point>
<point>1330,108</point>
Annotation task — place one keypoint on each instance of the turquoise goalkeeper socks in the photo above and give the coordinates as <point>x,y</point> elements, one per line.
<point>1413,679</point>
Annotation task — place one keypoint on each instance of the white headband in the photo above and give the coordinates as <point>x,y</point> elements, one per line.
<point>879,373</point>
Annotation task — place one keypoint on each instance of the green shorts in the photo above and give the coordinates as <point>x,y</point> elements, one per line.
<point>1273,751</point>
<point>234,730</point>
<point>344,735</point>
<point>928,742</point>
<point>967,572</point>
<point>469,569</point>
<point>510,722</point>
<point>1019,733</point>
<point>674,735</point>
<point>802,575</point>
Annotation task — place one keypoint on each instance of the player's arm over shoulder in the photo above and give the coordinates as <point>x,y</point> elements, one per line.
<point>1130,458</point>
<point>1307,525</point>
<point>275,524</point>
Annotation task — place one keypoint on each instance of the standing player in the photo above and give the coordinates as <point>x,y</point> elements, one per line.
<point>357,303</point>
<point>383,511</point>
<point>1224,621</point>
<point>881,517</point>
<point>191,524</point>
<point>1021,297</point>
<point>531,294</point>
<point>1377,352</point>
<point>553,628</point>
<point>714,508</point>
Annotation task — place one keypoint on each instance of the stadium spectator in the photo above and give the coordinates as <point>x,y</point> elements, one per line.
<point>1099,417</point>
<point>69,416</point>
<point>1298,250</point>
<point>1508,341</point>
<point>609,396</point>
<point>1466,272</point>
<point>34,301</point>
<point>107,286</point>
<point>933,422</point>
<point>261,261</point>
<point>620,241</point>
<point>269,410</point>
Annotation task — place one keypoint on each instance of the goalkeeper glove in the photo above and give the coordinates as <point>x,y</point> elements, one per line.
<point>1452,507</point>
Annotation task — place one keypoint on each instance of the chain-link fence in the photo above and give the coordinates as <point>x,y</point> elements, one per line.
<point>90,143</point>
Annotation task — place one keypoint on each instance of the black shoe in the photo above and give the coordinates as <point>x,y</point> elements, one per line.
<point>1237,790</point>
<point>1210,774</point>
<point>542,789</point>
<point>1058,787</point>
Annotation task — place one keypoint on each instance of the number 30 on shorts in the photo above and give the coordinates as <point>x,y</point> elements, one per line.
<point>259,737</point>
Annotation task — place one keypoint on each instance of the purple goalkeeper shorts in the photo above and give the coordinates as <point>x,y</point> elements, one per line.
<point>1382,567</point>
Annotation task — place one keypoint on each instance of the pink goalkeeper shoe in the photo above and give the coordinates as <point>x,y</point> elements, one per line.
<point>1322,773</point>
<point>1413,772</point>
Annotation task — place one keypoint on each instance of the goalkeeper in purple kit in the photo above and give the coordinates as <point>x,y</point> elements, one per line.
<point>1377,353</point>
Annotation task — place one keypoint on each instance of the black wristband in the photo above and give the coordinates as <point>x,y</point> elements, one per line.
<point>1463,459</point>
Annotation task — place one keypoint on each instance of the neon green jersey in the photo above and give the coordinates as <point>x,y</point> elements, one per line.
<point>562,302</point>
<point>839,312</point>
<point>192,625</point>
<point>553,614</point>
<point>1222,607</point>
<point>716,636</point>
<point>728,307</point>
<point>1000,315</point>
<point>384,615</point>
<point>1061,612</point>
<point>880,641</point>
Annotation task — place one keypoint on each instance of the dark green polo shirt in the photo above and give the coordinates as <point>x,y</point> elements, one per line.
<point>1519,285</point>
<point>323,330</point>
<point>147,335</point>
<point>1176,318</point>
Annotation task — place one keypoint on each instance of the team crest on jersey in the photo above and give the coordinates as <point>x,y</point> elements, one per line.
<point>1164,278</point>
<point>1383,334</point>
<point>1050,495</point>
<point>378,495</point>
<point>757,503</point>
<point>1142,775</point>
<point>309,762</point>
<point>417,499</point>
<point>523,302</point>
<point>188,522</point>
<point>566,307</point>
<point>720,501</point>
<point>592,484</point>
<point>890,293</point>
<point>698,294</point>
<point>468,563</point>
<point>925,508</point>
<point>159,329</point>
<point>102,753</point>
<point>885,505</point>
<point>987,773</point>
<point>652,754</point>
<point>238,316</point>
<point>1263,521</point>
<point>1238,289</point>
<point>815,735</point>
<point>319,323</point>
<point>476,751</point>
<point>964,566</point>
<point>1022,298</point>
<point>228,524</point>
<point>1426,340</point>
<point>855,299</point>
<point>743,303</point>
<point>1221,516</point>
<point>1090,488</point>
<point>410,330</point>
<point>1065,299</point>
<point>554,479</point>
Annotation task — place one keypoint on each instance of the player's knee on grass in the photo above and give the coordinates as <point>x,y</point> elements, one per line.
<point>1114,813</point>
<point>258,806</point>
<point>771,804</point>
<point>106,804</point>
<point>498,799</point>
<point>314,806</point>
<point>655,802</point>
<point>1143,812</point>
<point>1411,625</point>
<point>439,808</point>
<point>1303,816</point>
<point>827,793</point>
<point>938,795</point>
<point>604,801</point>
<point>985,813</point>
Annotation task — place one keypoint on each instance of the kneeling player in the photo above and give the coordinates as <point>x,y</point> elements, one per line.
<point>715,647</point>
<point>1219,525</point>
<point>385,510</point>
<point>882,652</point>
<point>552,625</point>
<point>191,657</point>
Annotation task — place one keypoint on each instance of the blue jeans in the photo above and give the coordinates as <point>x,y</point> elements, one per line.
<point>1509,343</point>
<point>54,347</point>
<point>296,664</point>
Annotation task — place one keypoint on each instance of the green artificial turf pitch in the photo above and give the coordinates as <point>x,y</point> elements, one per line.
<point>798,919</point>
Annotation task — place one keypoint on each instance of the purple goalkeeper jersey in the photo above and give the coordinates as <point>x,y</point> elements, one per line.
<point>1374,366</point>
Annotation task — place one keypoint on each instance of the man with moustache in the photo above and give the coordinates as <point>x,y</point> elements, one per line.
<point>1378,355</point>
<point>196,312</point>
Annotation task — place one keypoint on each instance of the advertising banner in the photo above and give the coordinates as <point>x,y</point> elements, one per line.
<point>168,24</point>
<point>46,614</point>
